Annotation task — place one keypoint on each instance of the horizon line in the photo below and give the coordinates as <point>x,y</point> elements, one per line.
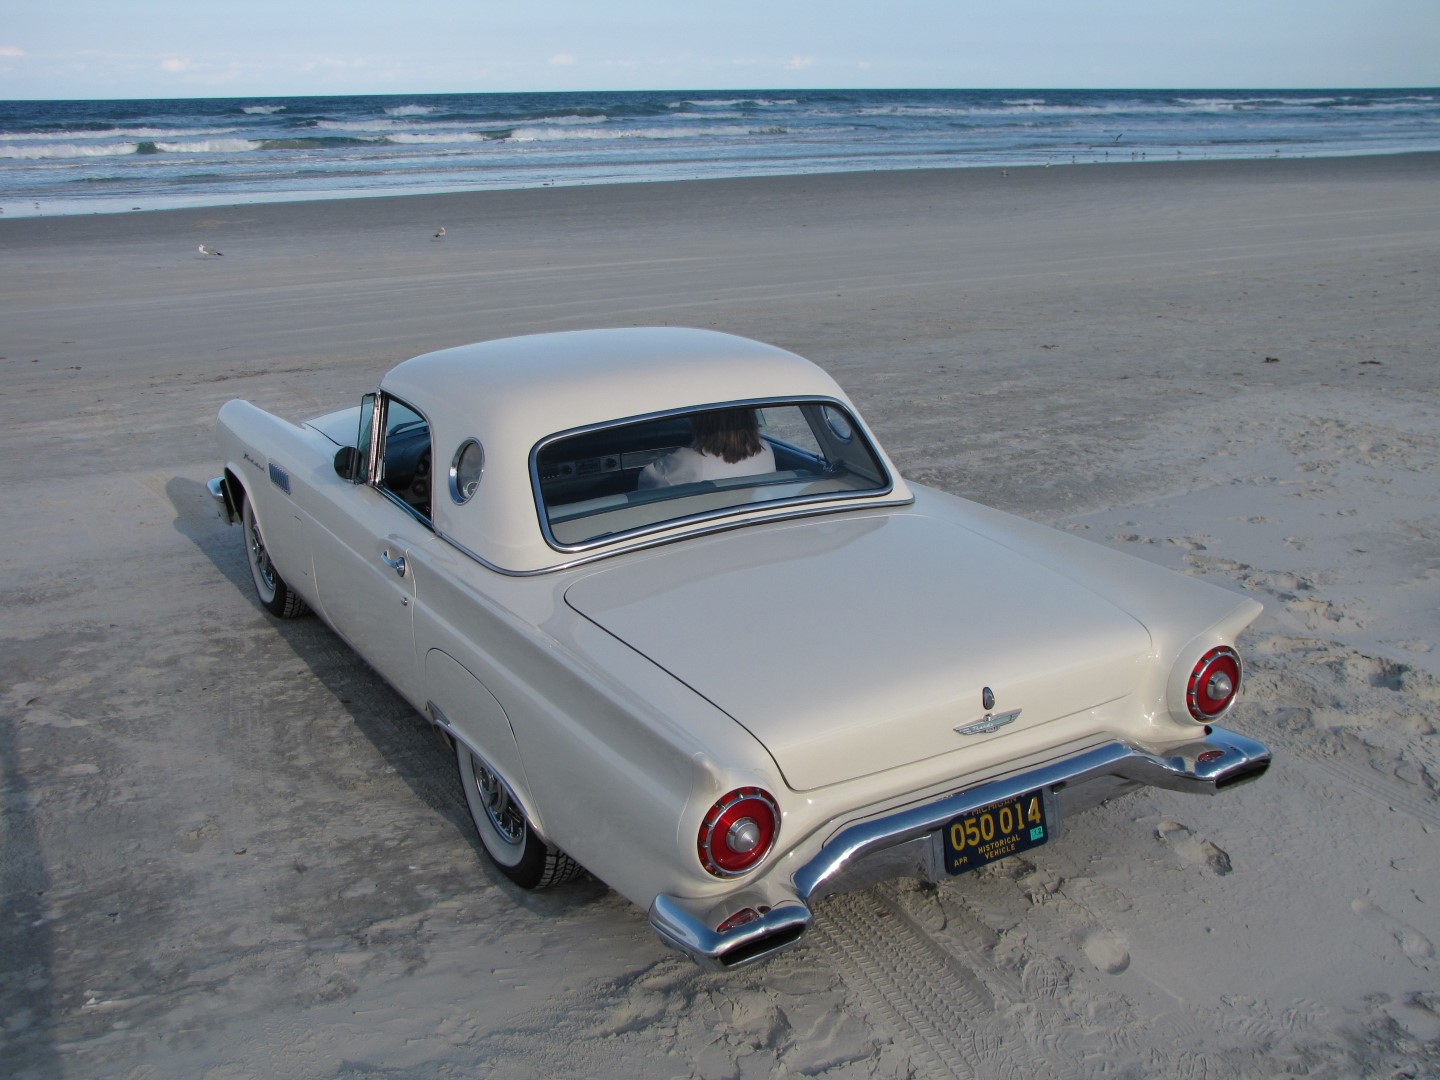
<point>740,90</point>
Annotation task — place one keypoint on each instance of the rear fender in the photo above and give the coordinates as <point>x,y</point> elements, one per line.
<point>466,711</point>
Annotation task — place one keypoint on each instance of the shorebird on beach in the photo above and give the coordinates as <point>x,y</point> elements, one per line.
<point>441,234</point>
<point>207,252</point>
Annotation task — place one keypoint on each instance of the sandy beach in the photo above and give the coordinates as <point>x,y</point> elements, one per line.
<point>230,851</point>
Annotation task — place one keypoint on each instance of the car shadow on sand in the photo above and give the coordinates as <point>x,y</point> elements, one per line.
<point>414,748</point>
<point>27,977</point>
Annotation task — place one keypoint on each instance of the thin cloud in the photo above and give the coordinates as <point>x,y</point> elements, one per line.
<point>333,63</point>
<point>190,72</point>
<point>11,51</point>
<point>799,63</point>
<point>563,59</point>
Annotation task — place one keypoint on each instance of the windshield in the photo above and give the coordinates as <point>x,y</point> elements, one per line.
<point>609,482</point>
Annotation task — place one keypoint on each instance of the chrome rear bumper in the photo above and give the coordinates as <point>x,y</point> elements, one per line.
<point>773,914</point>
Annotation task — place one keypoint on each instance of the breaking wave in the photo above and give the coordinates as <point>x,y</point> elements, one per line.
<point>332,146</point>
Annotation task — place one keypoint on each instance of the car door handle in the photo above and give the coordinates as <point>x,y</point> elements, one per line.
<point>397,563</point>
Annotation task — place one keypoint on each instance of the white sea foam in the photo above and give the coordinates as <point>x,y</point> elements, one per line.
<point>208,146</point>
<point>114,133</point>
<point>59,151</point>
<point>71,155</point>
<point>731,103</point>
<point>435,138</point>
<point>542,134</point>
<point>373,126</point>
<point>981,111</point>
<point>53,151</point>
<point>443,130</point>
<point>566,120</point>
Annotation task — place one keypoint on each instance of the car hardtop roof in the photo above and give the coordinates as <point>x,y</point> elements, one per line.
<point>530,387</point>
<point>514,393</point>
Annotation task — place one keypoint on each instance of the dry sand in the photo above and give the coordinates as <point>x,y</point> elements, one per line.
<point>229,851</point>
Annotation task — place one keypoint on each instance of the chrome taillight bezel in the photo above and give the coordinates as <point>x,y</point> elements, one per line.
<point>727,819</point>
<point>1220,667</point>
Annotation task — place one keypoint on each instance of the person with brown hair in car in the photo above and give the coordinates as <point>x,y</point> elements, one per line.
<point>726,443</point>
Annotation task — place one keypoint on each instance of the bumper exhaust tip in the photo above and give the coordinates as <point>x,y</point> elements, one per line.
<point>1242,774</point>
<point>730,936</point>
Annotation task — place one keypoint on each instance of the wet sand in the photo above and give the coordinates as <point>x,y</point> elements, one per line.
<point>229,848</point>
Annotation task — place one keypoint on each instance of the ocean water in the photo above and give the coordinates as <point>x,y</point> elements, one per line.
<point>62,157</point>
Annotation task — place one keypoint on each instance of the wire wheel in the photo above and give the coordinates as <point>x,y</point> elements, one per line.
<point>500,807</point>
<point>505,832</point>
<point>274,595</point>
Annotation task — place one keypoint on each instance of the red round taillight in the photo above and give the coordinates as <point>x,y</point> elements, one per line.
<point>738,832</point>
<point>1213,684</point>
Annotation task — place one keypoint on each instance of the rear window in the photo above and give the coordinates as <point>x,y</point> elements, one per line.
<point>606,483</point>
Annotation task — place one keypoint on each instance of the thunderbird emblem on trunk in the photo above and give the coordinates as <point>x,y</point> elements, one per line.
<point>989,724</point>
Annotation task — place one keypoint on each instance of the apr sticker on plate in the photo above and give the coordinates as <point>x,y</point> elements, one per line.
<point>993,832</point>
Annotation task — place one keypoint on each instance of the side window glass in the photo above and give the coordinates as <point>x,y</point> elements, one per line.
<point>406,465</point>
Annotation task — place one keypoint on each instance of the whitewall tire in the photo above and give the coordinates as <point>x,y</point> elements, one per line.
<point>513,846</point>
<point>274,595</point>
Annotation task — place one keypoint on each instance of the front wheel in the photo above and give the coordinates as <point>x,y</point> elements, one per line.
<point>511,843</point>
<point>275,596</point>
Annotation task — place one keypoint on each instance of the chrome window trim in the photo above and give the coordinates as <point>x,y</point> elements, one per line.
<point>750,511</point>
<point>403,505</point>
<point>372,450</point>
<point>846,437</point>
<point>659,541</point>
<point>456,495</point>
<point>375,480</point>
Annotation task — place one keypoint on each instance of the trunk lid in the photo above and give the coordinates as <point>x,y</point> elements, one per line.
<point>854,644</point>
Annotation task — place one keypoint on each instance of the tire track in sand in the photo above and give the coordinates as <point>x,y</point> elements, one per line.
<point>937,1007</point>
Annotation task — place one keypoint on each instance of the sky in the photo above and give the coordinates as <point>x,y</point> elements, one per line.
<point>221,48</point>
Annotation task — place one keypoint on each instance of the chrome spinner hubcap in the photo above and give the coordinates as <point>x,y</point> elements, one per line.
<point>500,808</point>
<point>261,558</point>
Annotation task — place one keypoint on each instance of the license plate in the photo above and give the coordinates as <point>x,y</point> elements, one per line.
<point>996,831</point>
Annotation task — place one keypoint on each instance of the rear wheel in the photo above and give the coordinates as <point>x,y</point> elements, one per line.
<point>274,595</point>
<point>513,846</point>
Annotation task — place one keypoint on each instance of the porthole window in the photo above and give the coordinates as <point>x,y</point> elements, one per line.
<point>465,469</point>
<point>839,424</point>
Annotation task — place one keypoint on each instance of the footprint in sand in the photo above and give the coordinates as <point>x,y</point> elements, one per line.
<point>1194,849</point>
<point>1107,953</point>
<point>196,834</point>
<point>1412,943</point>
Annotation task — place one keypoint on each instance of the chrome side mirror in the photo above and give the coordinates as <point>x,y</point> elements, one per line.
<point>347,458</point>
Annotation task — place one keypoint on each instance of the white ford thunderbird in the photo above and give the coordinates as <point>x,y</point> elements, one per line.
<point>686,626</point>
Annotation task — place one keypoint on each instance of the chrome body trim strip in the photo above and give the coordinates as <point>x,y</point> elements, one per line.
<point>761,518</point>
<point>782,909</point>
